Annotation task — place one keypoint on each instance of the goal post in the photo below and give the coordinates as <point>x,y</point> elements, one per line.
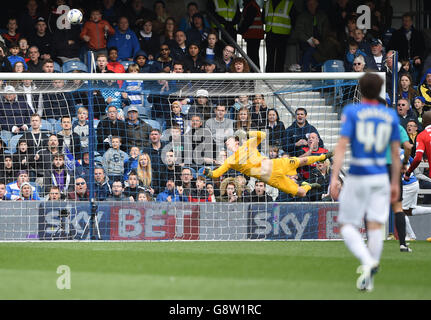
<point>121,156</point>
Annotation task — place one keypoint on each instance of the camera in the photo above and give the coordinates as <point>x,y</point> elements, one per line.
<point>64,213</point>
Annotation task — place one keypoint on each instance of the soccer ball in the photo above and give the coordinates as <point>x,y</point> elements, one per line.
<point>74,16</point>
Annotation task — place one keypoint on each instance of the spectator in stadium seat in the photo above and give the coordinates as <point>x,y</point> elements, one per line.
<point>133,187</point>
<point>125,40</point>
<point>35,63</point>
<point>210,66</point>
<point>113,160</point>
<point>14,113</point>
<point>211,193</point>
<point>162,14</point>
<point>44,157</point>
<point>186,21</point>
<point>30,95</point>
<point>109,127</point>
<point>419,109</point>
<point>71,142</point>
<point>112,96</point>
<point>187,184</point>
<point>171,193</point>
<point>412,132</point>
<point>424,88</point>
<point>405,112</point>
<point>176,116</point>
<point>7,171</point>
<point>312,149</point>
<point>405,88</point>
<point>321,175</point>
<point>144,171</point>
<point>228,55</point>
<point>42,38</point>
<point>230,191</point>
<point>220,127</point>
<point>26,193</point>
<point>35,137</point>
<point>11,35</point>
<point>58,103</point>
<point>137,131</point>
<point>243,120</point>
<point>201,106</point>
<point>81,127</point>
<point>94,30</point>
<point>113,63</point>
<point>212,48</point>
<point>364,45</point>
<point>48,66</point>
<point>14,56</point>
<point>102,63</point>
<point>58,176</point>
<point>298,132</point>
<point>165,59</point>
<point>117,192</point>
<point>149,41</point>
<point>168,33</point>
<point>102,188</point>
<point>132,161</point>
<point>376,60</point>
<point>13,189</point>
<point>239,65</point>
<point>179,49</point>
<point>84,169</point>
<point>29,17</point>
<point>145,65</point>
<point>144,197</point>
<point>66,44</point>
<point>201,191</point>
<point>23,159</point>
<point>259,111</point>
<point>54,194</point>
<point>167,169</point>
<point>259,193</point>
<point>5,65</point>
<point>193,62</point>
<point>311,31</point>
<point>351,53</point>
<point>275,128</point>
<point>18,67</point>
<point>2,191</point>
<point>409,42</point>
<point>154,149</point>
<point>198,32</point>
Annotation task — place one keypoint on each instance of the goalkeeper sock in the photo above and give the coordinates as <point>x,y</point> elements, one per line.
<point>313,159</point>
<point>400,224</point>
<point>375,243</point>
<point>353,240</point>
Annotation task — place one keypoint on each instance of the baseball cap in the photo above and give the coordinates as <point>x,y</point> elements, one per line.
<point>9,89</point>
<point>132,109</point>
<point>202,93</point>
<point>208,62</point>
<point>375,42</point>
<point>40,19</point>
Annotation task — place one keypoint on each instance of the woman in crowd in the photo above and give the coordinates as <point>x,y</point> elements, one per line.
<point>405,88</point>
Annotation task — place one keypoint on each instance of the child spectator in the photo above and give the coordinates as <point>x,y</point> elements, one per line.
<point>351,54</point>
<point>95,32</point>
<point>133,187</point>
<point>11,35</point>
<point>144,196</point>
<point>23,49</point>
<point>134,88</point>
<point>243,120</point>
<point>81,127</point>
<point>113,160</point>
<point>177,117</point>
<point>144,171</point>
<point>201,194</point>
<point>14,56</point>
<point>210,191</point>
<point>132,162</point>
<point>145,65</point>
<point>113,63</point>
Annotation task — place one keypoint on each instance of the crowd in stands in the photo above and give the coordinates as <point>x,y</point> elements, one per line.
<point>142,141</point>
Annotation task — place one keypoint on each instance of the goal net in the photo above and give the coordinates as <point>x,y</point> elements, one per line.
<point>122,156</point>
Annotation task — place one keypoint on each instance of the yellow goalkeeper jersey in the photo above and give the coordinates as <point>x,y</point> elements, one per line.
<point>247,159</point>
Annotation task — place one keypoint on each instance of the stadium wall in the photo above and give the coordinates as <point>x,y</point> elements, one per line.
<point>36,220</point>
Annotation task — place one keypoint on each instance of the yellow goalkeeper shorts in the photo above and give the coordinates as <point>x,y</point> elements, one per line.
<point>281,168</point>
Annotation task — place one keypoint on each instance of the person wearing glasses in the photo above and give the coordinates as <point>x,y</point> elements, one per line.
<point>165,59</point>
<point>81,192</point>
<point>405,113</point>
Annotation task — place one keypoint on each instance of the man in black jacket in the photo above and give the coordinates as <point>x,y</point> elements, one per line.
<point>259,193</point>
<point>109,127</point>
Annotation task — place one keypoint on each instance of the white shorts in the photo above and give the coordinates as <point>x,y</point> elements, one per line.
<point>365,195</point>
<point>410,195</point>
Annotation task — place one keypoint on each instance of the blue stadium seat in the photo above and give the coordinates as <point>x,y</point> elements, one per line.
<point>70,66</point>
<point>57,67</point>
<point>13,142</point>
<point>334,66</point>
<point>57,126</point>
<point>5,136</point>
<point>46,125</point>
<point>126,64</point>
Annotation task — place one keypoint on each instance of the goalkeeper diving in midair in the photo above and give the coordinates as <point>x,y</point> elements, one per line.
<point>247,159</point>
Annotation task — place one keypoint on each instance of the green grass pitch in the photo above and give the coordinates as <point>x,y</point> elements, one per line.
<point>254,270</point>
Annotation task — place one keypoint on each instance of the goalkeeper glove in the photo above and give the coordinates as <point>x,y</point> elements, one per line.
<point>241,134</point>
<point>208,172</point>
